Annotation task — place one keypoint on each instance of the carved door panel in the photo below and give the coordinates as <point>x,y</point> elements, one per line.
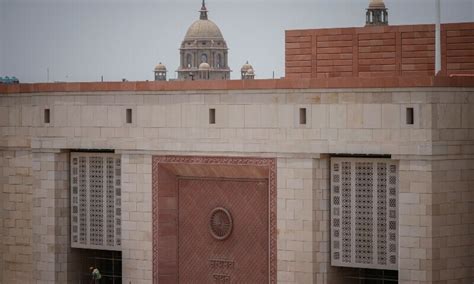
<point>223,231</point>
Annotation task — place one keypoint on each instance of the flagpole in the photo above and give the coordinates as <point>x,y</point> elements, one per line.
<point>438,38</point>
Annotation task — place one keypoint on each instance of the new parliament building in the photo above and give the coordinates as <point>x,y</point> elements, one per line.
<point>356,167</point>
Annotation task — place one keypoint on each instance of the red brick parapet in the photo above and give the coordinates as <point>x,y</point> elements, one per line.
<point>309,83</point>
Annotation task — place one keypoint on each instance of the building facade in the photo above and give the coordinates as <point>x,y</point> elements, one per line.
<point>357,167</point>
<point>203,52</point>
<point>257,137</point>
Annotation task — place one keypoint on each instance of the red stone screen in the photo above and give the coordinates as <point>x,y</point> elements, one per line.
<point>196,200</point>
<point>240,258</point>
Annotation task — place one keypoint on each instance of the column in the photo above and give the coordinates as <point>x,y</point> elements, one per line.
<point>51,237</point>
<point>137,250</point>
<point>295,221</point>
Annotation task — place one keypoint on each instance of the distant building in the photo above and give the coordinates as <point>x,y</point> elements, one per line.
<point>247,72</point>
<point>9,80</point>
<point>377,14</point>
<point>203,43</point>
<point>160,72</point>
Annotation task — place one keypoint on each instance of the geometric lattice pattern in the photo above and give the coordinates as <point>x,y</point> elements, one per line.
<point>364,223</point>
<point>96,200</point>
<point>242,257</point>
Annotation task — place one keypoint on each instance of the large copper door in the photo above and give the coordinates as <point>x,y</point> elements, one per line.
<point>240,258</point>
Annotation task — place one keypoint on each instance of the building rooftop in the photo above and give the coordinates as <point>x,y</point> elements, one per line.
<point>313,83</point>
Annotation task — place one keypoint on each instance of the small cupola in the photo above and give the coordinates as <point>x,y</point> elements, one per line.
<point>376,14</point>
<point>160,72</point>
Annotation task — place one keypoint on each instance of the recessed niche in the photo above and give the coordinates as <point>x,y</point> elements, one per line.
<point>129,115</point>
<point>410,120</point>
<point>212,116</point>
<point>302,116</point>
<point>47,116</point>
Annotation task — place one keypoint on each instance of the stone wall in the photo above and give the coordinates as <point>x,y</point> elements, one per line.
<point>16,213</point>
<point>381,51</point>
<point>295,221</point>
<point>453,220</point>
<point>52,256</point>
<point>435,155</point>
<point>363,121</point>
<point>137,250</point>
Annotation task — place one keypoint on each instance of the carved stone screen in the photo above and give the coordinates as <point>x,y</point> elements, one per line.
<point>364,213</point>
<point>95,200</point>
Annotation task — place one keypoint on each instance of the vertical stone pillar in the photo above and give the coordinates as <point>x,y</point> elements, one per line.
<point>295,221</point>
<point>51,242</point>
<point>415,222</point>
<point>15,210</point>
<point>137,250</point>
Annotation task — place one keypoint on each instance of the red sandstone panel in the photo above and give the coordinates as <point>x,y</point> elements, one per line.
<point>460,52</point>
<point>240,258</point>
<point>395,51</point>
<point>181,221</point>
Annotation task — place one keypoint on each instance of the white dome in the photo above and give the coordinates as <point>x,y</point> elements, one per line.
<point>203,29</point>
<point>246,67</point>
<point>160,67</point>
<point>377,4</point>
<point>204,66</point>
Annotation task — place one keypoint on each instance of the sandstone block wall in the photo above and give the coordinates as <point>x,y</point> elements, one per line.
<point>435,156</point>
<point>378,51</point>
<point>137,250</point>
<point>16,253</point>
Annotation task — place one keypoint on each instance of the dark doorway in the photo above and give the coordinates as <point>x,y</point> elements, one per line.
<point>372,276</point>
<point>109,264</point>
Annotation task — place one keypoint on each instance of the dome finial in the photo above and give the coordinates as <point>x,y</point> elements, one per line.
<point>203,11</point>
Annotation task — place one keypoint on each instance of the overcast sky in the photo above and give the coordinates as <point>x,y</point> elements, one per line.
<point>82,40</point>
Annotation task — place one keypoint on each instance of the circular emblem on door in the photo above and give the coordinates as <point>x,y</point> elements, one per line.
<point>220,223</point>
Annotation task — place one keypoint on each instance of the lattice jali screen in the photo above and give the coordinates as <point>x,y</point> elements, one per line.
<point>364,210</point>
<point>96,200</point>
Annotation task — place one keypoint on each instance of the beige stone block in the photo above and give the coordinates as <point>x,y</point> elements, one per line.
<point>221,116</point>
<point>319,116</point>
<point>390,116</point>
<point>144,118</point>
<point>269,116</point>
<point>467,116</point>
<point>158,116</point>
<point>173,116</point>
<point>354,135</point>
<point>355,116</point>
<point>285,116</point>
<point>449,115</point>
<point>236,115</point>
<point>252,116</point>
<point>26,116</point>
<point>372,116</point>
<point>115,116</point>
<point>190,116</point>
<point>426,116</point>
<point>337,116</point>
<point>401,97</point>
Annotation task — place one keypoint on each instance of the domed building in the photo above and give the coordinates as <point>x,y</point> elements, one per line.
<point>247,72</point>
<point>203,43</point>
<point>376,14</point>
<point>160,72</point>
